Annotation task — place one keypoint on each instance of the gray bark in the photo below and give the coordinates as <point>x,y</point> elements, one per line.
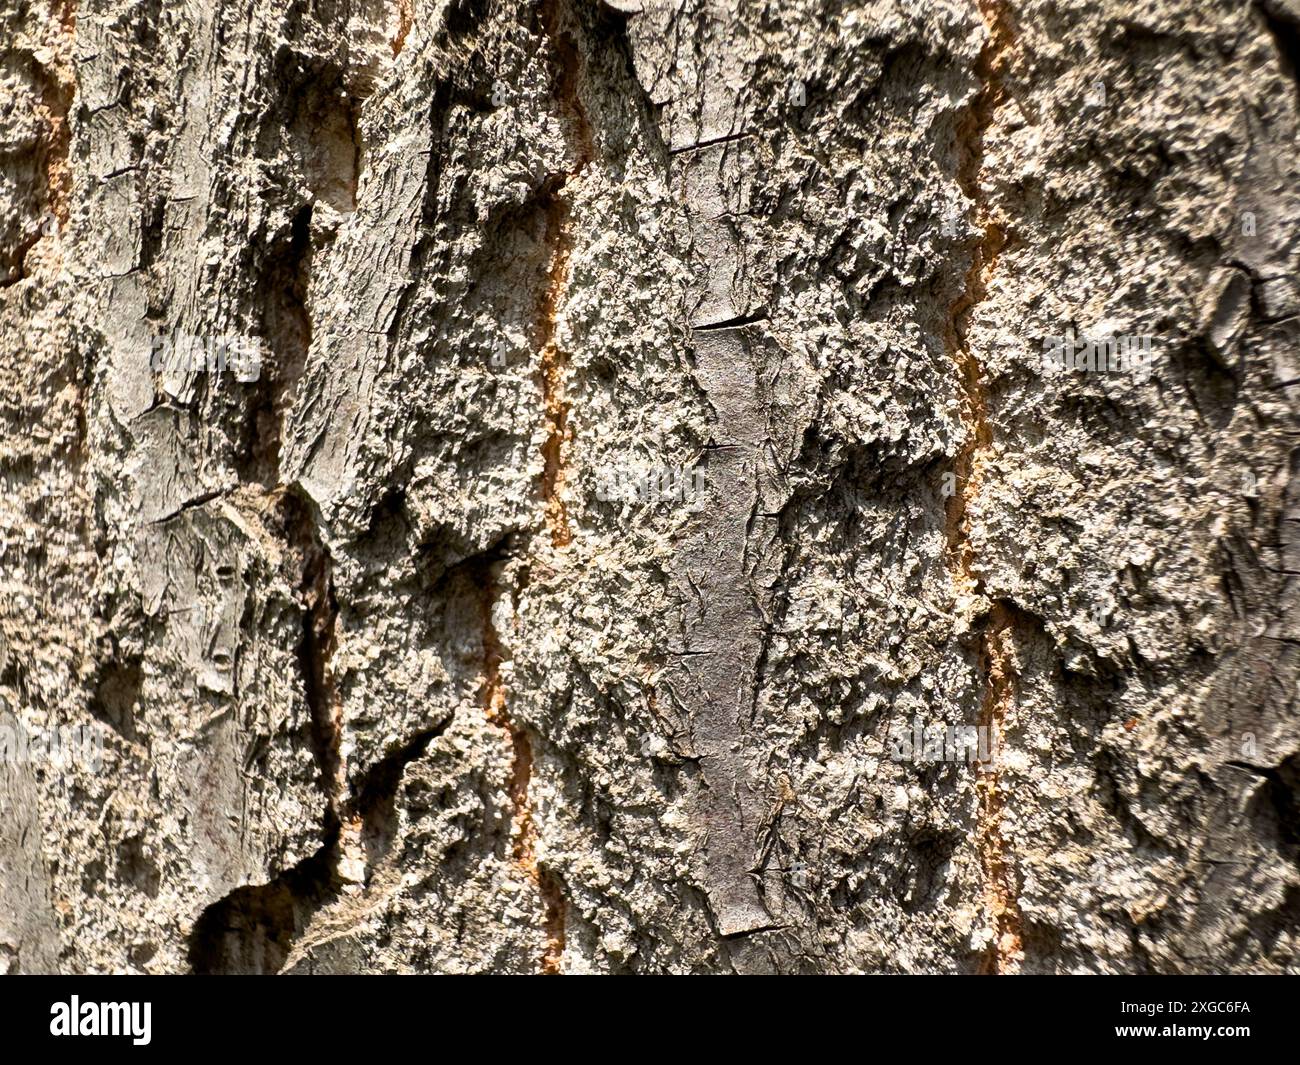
<point>389,679</point>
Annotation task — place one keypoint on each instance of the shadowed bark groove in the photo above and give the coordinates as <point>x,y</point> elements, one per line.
<point>56,88</point>
<point>523,826</point>
<point>556,22</point>
<point>404,16</point>
<point>59,87</point>
<point>254,928</point>
<point>996,646</point>
<point>317,646</point>
<point>554,365</point>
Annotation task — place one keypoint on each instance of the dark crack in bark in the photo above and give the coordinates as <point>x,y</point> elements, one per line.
<point>996,647</point>
<point>524,827</point>
<point>56,88</point>
<point>555,18</point>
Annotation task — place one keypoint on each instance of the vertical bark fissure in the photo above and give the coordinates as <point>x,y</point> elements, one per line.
<point>524,834</point>
<point>553,369</point>
<point>554,361</point>
<point>258,928</point>
<point>295,340</point>
<point>554,364</point>
<point>288,329</point>
<point>1283,25</point>
<point>996,860</point>
<point>56,89</point>
<point>996,646</point>
<point>404,13</point>
<point>325,707</point>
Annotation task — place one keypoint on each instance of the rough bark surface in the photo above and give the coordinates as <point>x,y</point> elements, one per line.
<point>388,683</point>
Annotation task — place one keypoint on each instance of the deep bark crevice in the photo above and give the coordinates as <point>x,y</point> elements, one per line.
<point>376,792</point>
<point>287,325</point>
<point>523,824</point>
<point>56,89</point>
<point>996,638</point>
<point>1284,28</point>
<point>404,14</point>
<point>252,929</point>
<point>316,646</point>
<point>555,18</point>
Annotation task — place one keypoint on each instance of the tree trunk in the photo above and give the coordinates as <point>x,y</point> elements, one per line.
<point>641,486</point>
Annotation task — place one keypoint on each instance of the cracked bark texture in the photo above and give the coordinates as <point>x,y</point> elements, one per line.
<point>388,685</point>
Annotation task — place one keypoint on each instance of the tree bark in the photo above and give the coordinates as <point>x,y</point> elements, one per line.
<point>620,450</point>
